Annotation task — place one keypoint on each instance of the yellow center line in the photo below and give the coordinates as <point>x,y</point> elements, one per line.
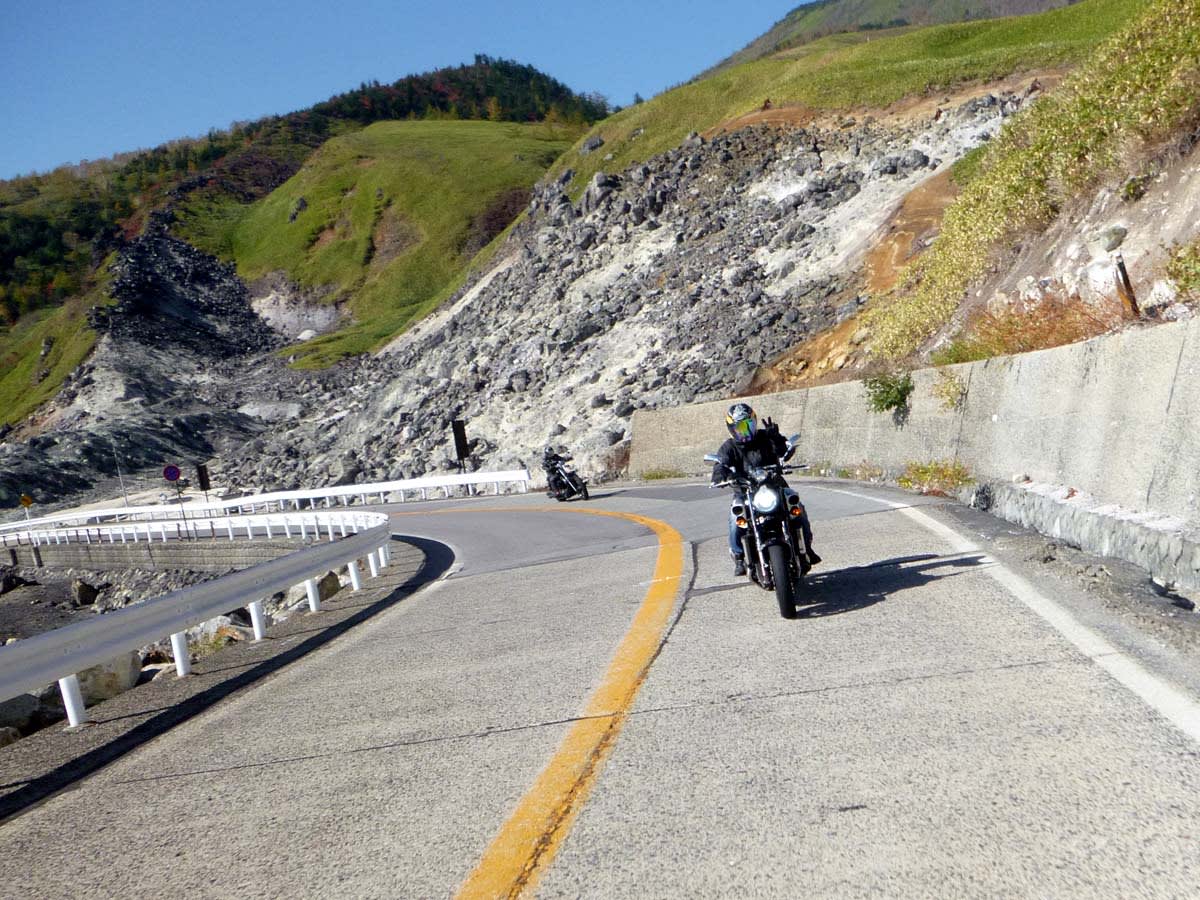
<point>528,841</point>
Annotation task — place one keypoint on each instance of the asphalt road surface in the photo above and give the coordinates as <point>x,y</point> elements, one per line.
<point>591,705</point>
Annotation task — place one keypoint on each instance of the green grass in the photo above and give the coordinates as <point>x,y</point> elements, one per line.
<point>1137,90</point>
<point>1183,267</point>
<point>807,23</point>
<point>854,70</point>
<point>28,380</point>
<point>941,477</point>
<point>661,474</point>
<point>391,214</point>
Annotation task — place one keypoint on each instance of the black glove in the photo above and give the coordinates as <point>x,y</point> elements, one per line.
<point>770,427</point>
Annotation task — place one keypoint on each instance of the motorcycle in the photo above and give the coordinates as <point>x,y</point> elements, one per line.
<point>769,526</point>
<point>572,484</point>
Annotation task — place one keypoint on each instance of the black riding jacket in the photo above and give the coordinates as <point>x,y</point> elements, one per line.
<point>549,461</point>
<point>764,449</point>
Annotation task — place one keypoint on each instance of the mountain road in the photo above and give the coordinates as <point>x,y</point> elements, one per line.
<point>589,704</point>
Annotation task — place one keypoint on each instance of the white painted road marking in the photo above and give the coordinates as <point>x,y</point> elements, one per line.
<point>1177,707</point>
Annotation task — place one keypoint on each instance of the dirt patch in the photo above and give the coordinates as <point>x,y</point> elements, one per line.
<point>924,106</point>
<point>911,229</point>
<point>902,112</point>
<point>831,356</point>
<point>502,210</point>
<point>339,230</point>
<point>393,235</point>
<point>838,354</point>
<point>787,115</point>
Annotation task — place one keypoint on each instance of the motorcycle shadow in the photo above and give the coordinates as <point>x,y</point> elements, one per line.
<point>858,587</point>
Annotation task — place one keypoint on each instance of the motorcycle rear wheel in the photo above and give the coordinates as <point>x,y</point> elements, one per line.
<point>781,574</point>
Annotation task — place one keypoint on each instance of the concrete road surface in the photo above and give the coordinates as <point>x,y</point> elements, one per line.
<point>590,705</point>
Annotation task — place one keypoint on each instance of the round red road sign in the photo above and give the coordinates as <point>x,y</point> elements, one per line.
<point>171,473</point>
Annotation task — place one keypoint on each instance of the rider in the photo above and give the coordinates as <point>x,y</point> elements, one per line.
<point>554,482</point>
<point>750,447</point>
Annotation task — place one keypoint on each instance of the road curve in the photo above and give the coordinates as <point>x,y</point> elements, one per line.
<point>931,725</point>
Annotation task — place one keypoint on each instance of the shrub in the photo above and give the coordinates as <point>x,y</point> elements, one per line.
<point>1138,87</point>
<point>950,390</point>
<point>940,477</point>
<point>888,392</point>
<point>1183,268</point>
<point>1039,326</point>
<point>662,472</point>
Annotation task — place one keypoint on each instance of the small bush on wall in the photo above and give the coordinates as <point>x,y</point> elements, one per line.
<point>888,392</point>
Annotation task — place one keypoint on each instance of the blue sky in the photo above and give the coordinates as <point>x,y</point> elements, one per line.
<point>88,78</point>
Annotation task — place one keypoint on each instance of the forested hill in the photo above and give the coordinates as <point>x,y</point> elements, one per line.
<point>57,228</point>
<point>821,18</point>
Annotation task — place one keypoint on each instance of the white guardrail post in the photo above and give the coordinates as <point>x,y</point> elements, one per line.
<point>60,654</point>
<point>72,700</point>
<point>258,620</point>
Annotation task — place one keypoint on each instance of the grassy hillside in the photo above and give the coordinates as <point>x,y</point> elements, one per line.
<point>43,349</point>
<point>846,71</point>
<point>390,217</point>
<point>1138,89</point>
<point>55,228</point>
<point>825,17</point>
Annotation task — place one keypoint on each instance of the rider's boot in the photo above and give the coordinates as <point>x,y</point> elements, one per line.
<point>739,565</point>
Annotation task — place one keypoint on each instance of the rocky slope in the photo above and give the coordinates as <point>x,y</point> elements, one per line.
<point>181,326</point>
<point>672,281</point>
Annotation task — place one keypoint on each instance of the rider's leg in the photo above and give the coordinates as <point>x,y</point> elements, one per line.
<point>735,547</point>
<point>806,529</point>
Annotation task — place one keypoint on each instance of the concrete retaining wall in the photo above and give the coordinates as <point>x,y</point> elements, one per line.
<point>204,555</point>
<point>1115,418</point>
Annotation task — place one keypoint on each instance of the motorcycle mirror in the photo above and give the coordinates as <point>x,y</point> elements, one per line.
<point>794,440</point>
<point>712,458</point>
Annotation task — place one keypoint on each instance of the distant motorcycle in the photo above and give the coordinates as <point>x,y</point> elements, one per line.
<point>769,525</point>
<point>571,484</point>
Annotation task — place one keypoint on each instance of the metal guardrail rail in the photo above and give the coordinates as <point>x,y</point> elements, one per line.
<point>345,538</point>
<point>312,498</point>
<point>60,654</point>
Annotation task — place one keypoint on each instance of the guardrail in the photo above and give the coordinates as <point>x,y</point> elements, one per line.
<point>312,498</point>
<point>346,537</point>
<point>329,524</point>
<point>60,654</point>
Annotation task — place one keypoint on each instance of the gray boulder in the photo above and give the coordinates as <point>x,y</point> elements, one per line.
<point>19,711</point>
<point>105,681</point>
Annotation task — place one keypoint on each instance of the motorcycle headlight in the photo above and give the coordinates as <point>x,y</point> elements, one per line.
<point>766,499</point>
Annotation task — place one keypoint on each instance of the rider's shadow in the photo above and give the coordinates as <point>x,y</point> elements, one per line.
<point>848,590</point>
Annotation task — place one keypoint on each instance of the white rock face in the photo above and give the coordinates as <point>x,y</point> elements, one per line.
<point>289,313</point>
<point>272,411</point>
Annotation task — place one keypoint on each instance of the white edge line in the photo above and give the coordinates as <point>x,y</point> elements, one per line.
<point>1173,704</point>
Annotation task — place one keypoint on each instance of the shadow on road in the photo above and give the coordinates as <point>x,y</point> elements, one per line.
<point>437,560</point>
<point>852,589</point>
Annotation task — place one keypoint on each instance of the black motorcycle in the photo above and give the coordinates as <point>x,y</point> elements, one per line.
<point>769,525</point>
<point>570,484</point>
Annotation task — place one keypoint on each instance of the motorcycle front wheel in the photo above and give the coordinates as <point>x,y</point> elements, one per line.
<point>781,574</point>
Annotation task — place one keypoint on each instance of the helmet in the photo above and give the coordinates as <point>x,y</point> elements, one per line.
<point>549,451</point>
<point>741,422</point>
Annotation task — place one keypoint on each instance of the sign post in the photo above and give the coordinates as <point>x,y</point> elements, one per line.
<point>172,473</point>
<point>26,501</point>
<point>461,448</point>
